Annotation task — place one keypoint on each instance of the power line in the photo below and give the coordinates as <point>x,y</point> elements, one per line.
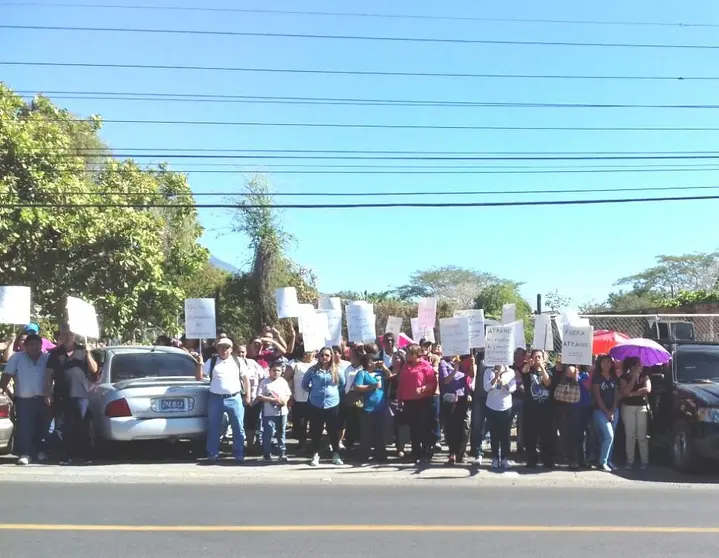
<point>353,72</point>
<point>218,98</point>
<point>357,125</point>
<point>168,155</point>
<point>391,194</point>
<point>417,172</point>
<point>367,205</point>
<point>434,40</point>
<point>361,14</point>
<point>590,154</point>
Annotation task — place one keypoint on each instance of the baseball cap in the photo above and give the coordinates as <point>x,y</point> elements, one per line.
<point>31,328</point>
<point>424,342</point>
<point>224,342</point>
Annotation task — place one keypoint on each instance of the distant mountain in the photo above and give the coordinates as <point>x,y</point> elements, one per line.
<point>224,266</point>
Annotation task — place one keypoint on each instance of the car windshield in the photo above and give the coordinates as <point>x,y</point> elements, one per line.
<point>130,366</point>
<point>697,366</point>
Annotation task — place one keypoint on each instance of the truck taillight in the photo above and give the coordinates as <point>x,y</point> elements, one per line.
<point>5,411</point>
<point>118,408</point>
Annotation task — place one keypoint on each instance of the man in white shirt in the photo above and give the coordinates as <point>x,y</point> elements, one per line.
<point>229,393</point>
<point>28,369</point>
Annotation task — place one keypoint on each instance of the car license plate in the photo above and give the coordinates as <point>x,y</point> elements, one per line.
<point>173,405</point>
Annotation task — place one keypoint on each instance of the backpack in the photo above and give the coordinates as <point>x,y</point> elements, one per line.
<point>213,363</point>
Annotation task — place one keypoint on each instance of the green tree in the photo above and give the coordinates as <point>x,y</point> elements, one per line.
<point>493,297</point>
<point>672,274</point>
<point>555,301</point>
<point>60,233</point>
<point>456,285</point>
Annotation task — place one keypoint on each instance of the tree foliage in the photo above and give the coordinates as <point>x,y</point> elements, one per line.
<point>555,301</point>
<point>494,297</point>
<point>60,238</point>
<point>673,274</point>
<point>456,285</point>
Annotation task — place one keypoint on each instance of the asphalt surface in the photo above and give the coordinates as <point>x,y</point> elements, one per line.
<point>298,521</point>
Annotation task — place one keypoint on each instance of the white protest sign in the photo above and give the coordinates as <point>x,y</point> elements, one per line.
<point>569,317</point>
<point>329,303</point>
<point>314,330</point>
<point>476,326</point>
<point>419,333</point>
<point>577,344</point>
<point>82,318</point>
<point>519,339</point>
<point>303,311</point>
<point>200,320</point>
<point>287,305</point>
<point>499,345</point>
<point>394,325</point>
<point>334,327</point>
<point>543,338</point>
<point>509,313</point>
<point>15,305</point>
<point>427,312</point>
<point>361,326</point>
<point>454,333</point>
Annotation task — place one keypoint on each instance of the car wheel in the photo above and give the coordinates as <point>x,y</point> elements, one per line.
<point>100,447</point>
<point>684,455</point>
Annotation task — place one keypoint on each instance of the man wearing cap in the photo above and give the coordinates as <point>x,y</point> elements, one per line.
<point>28,368</point>
<point>229,393</point>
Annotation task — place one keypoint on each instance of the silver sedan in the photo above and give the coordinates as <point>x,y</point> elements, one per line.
<point>6,425</point>
<point>146,393</point>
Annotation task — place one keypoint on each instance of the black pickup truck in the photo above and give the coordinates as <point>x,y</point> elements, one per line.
<point>685,407</point>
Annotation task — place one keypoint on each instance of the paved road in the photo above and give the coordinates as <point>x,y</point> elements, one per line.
<point>303,521</point>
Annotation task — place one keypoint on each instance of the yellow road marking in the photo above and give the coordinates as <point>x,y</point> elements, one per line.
<point>360,528</point>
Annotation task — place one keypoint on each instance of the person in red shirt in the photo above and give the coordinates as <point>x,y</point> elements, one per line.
<point>416,387</point>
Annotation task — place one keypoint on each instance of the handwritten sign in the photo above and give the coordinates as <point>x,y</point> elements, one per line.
<point>287,305</point>
<point>304,310</point>
<point>427,312</point>
<point>577,344</point>
<point>334,327</point>
<point>476,326</point>
<point>519,339</point>
<point>454,333</point>
<point>82,318</point>
<point>15,305</point>
<point>509,313</point>
<point>543,338</point>
<point>500,345</point>
<point>419,333</point>
<point>315,330</point>
<point>361,322</point>
<point>394,325</point>
<point>200,318</point>
<point>329,303</point>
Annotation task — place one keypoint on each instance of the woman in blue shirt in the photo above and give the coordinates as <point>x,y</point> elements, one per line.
<point>370,381</point>
<point>323,382</point>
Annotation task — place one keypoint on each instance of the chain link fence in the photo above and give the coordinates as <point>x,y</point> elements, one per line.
<point>660,327</point>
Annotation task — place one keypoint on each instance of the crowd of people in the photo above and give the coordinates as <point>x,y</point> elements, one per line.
<point>365,398</point>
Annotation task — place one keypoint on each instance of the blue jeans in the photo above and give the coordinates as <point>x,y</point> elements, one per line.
<point>436,423</point>
<point>218,405</point>
<point>605,430</point>
<point>32,425</point>
<point>274,427</point>
<point>479,424</point>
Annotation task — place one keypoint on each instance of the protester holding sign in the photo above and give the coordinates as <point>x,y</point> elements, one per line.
<point>499,383</point>
<point>537,411</point>
<point>454,392</point>
<point>71,369</point>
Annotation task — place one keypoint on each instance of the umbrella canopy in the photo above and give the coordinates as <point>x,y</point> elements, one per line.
<point>606,339</point>
<point>403,340</point>
<point>649,353</point>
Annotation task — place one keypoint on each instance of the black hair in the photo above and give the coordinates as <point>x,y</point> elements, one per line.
<point>366,360</point>
<point>32,337</point>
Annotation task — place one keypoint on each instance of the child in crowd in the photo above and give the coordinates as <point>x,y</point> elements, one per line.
<point>274,393</point>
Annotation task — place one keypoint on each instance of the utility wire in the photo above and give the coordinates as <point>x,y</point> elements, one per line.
<point>366,205</point>
<point>357,125</point>
<point>390,194</point>
<point>217,98</point>
<point>359,14</point>
<point>434,40</point>
<point>589,154</point>
<point>353,72</point>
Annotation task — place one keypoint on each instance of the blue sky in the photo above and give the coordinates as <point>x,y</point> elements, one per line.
<point>579,250</point>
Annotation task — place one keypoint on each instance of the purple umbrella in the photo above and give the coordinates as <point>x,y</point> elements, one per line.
<point>649,353</point>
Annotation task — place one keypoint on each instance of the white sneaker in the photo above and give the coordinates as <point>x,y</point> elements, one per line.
<point>336,459</point>
<point>606,468</point>
<point>505,464</point>
<point>24,460</point>
<point>41,456</point>
<point>477,461</point>
<point>495,463</point>
<point>315,460</point>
